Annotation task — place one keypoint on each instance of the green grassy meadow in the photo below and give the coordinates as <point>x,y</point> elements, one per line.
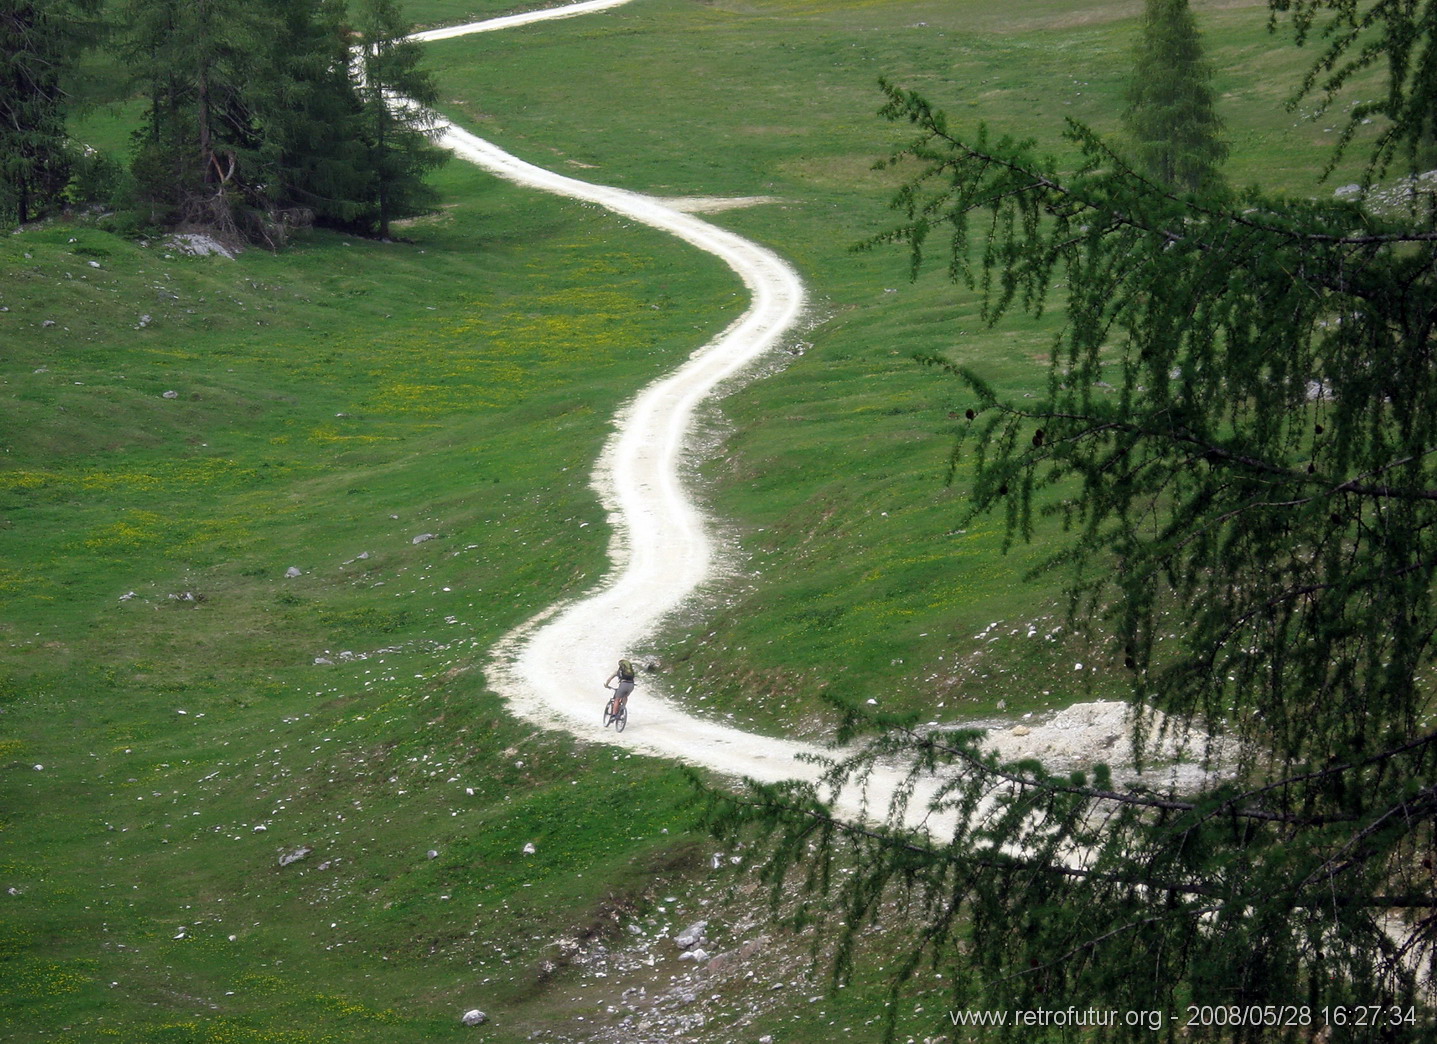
<point>177,714</point>
<point>167,731</point>
<point>857,577</point>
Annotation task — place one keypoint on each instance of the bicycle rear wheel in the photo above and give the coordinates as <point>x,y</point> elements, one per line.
<point>622,718</point>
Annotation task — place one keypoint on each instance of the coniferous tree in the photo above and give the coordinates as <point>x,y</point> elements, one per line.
<point>399,125</point>
<point>33,161</point>
<point>260,117</point>
<point>307,102</point>
<point>196,60</point>
<point>38,45</point>
<point>1171,116</point>
<point>1240,430</point>
<point>257,115</point>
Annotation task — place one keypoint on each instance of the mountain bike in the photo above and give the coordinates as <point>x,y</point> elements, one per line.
<point>616,712</point>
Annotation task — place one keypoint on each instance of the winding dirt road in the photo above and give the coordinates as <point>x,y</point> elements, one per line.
<point>549,670</point>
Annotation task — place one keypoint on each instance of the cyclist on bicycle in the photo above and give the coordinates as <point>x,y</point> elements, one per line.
<point>625,677</point>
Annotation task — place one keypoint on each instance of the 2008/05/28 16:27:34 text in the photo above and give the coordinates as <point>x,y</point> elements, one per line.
<point>1355,1015</point>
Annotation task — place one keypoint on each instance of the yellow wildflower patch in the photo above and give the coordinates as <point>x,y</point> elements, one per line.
<point>33,979</point>
<point>24,481</point>
<point>493,357</point>
<point>136,530</point>
<point>354,1009</point>
<point>164,477</point>
<point>12,582</point>
<point>328,434</point>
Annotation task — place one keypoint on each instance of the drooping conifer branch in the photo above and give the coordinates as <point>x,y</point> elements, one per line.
<point>1238,432</point>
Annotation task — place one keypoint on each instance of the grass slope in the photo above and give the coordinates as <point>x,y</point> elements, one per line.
<point>170,726</point>
<point>857,576</point>
<point>333,403</point>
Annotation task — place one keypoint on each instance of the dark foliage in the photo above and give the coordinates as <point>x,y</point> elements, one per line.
<point>260,118</point>
<point>39,42</point>
<point>1239,431</point>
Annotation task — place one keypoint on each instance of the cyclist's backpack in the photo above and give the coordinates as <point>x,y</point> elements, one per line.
<point>626,670</point>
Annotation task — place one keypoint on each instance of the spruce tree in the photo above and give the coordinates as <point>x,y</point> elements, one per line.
<point>399,124</point>
<point>260,117</point>
<point>39,42</point>
<point>1171,116</point>
<point>306,100</point>
<point>1239,430</point>
<point>196,60</point>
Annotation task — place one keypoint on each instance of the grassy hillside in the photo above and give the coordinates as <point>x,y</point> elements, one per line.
<point>856,575</point>
<point>177,713</point>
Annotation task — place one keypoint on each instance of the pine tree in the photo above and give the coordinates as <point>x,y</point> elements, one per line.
<point>1240,430</point>
<point>399,124</point>
<point>1171,116</point>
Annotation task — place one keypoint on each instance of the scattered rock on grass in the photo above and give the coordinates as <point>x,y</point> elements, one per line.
<point>198,244</point>
<point>691,936</point>
<point>295,856</point>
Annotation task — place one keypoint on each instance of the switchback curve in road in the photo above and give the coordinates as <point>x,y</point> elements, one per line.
<point>550,670</point>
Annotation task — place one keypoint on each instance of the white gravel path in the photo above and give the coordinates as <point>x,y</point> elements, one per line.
<point>550,670</point>
<point>489,25</point>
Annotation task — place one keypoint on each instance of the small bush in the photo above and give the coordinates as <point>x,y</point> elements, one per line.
<point>96,179</point>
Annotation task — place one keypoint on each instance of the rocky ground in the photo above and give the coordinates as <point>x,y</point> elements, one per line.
<point>702,971</point>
